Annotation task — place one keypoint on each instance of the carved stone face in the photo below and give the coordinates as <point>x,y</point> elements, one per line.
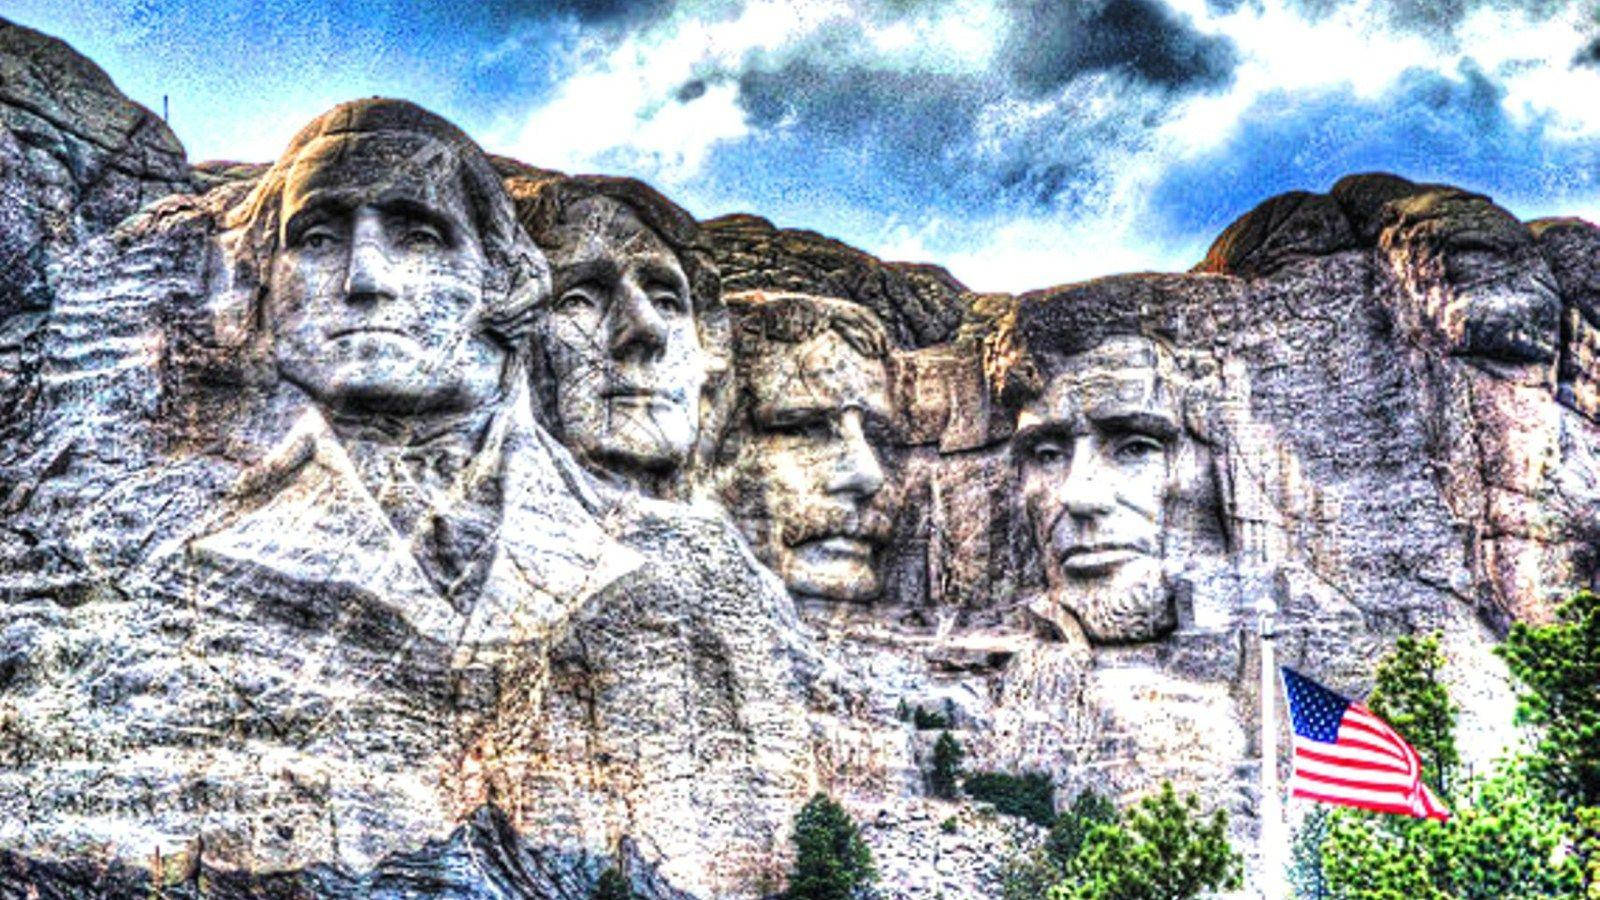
<point>1479,274</point>
<point>377,284</point>
<point>1094,455</point>
<point>622,342</point>
<point>813,468</point>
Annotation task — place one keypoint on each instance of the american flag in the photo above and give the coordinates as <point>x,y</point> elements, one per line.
<point>1344,754</point>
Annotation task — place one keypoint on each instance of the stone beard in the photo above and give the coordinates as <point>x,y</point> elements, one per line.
<point>622,343</point>
<point>808,484</point>
<point>1096,453</point>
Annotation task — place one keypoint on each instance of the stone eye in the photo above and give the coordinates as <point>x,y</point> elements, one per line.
<point>576,300</point>
<point>1047,453</point>
<point>317,237</point>
<point>667,301</point>
<point>1139,447</point>
<point>421,237</point>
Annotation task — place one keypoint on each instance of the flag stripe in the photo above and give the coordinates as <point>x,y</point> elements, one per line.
<point>1321,771</point>
<point>1357,757</point>
<point>1345,754</point>
<point>1375,806</point>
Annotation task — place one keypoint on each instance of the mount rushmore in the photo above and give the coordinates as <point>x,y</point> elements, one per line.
<point>397,515</point>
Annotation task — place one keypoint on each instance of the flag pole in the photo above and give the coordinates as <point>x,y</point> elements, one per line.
<point>1272,882</point>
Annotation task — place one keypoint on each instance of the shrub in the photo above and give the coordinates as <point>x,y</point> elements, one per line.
<point>611,886</point>
<point>947,756</point>
<point>1163,851</point>
<point>1071,827</point>
<point>1030,795</point>
<point>928,721</point>
<point>831,861</point>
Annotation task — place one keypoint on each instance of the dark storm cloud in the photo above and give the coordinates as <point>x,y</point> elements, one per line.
<point>907,141</point>
<point>1426,127</point>
<point>1052,42</point>
<point>624,14</point>
<point>1589,55</point>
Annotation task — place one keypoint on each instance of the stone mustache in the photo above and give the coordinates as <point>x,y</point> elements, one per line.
<point>355,495</point>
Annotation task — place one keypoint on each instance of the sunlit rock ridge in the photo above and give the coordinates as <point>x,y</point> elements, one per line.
<point>392,519</point>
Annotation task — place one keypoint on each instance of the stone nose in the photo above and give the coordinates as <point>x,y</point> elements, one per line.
<point>857,471</point>
<point>370,273</point>
<point>1089,489</point>
<point>637,330</point>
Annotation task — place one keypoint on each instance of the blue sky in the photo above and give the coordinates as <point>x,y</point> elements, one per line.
<point>1021,143</point>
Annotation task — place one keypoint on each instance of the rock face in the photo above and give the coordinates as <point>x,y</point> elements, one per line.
<point>396,521</point>
<point>76,157</point>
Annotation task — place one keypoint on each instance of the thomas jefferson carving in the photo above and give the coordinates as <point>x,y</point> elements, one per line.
<point>634,331</point>
<point>808,445</point>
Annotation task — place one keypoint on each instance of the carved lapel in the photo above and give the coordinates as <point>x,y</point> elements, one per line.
<point>311,543</point>
<point>553,553</point>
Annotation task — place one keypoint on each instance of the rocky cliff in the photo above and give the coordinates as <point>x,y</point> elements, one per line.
<point>393,520</point>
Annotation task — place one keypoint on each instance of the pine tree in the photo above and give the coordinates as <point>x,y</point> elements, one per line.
<point>1410,696</point>
<point>611,886</point>
<point>1306,876</point>
<point>1560,665</point>
<point>1163,851</point>
<point>947,756</point>
<point>1069,830</point>
<point>832,862</point>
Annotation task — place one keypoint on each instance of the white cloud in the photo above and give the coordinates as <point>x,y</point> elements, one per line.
<point>1024,253</point>
<point>619,102</point>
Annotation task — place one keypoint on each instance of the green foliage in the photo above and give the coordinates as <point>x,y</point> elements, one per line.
<point>1306,877</point>
<point>831,861</point>
<point>1067,833</point>
<point>1412,699</point>
<point>1506,840</point>
<point>947,756</point>
<point>1560,665</point>
<point>1586,850</point>
<point>1030,795</point>
<point>611,886</point>
<point>1163,851</point>
<point>1365,858</point>
<point>1511,835</point>
<point>928,721</point>
<point>948,826</point>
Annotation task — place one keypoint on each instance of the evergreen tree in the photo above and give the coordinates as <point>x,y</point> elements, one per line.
<point>1560,665</point>
<point>831,861</point>
<point>947,756</point>
<point>1163,851</point>
<point>611,886</point>
<point>1069,830</point>
<point>1306,877</point>
<point>1412,699</point>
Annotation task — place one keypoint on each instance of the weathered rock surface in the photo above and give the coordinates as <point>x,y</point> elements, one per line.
<point>76,157</point>
<point>260,640</point>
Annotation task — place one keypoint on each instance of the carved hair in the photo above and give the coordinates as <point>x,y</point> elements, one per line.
<point>517,277</point>
<point>762,319</point>
<point>541,202</point>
